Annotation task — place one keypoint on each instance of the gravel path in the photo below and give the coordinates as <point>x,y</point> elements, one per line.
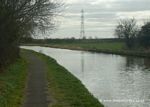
<point>36,92</point>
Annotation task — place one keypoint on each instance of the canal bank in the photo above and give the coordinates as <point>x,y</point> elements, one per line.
<point>111,50</point>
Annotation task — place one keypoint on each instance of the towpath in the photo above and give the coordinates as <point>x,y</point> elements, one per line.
<point>36,92</point>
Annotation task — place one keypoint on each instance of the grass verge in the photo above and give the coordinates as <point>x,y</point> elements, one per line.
<point>108,48</point>
<point>114,46</point>
<point>12,84</point>
<point>117,48</point>
<point>65,88</point>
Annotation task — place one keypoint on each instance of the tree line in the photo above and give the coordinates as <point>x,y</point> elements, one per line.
<point>21,18</point>
<point>133,35</point>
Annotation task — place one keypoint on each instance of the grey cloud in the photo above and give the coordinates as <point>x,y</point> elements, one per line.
<point>101,18</point>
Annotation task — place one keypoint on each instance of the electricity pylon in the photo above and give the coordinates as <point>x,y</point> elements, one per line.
<point>82,32</point>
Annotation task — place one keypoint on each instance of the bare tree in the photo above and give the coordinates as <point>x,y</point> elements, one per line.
<point>19,18</point>
<point>127,29</point>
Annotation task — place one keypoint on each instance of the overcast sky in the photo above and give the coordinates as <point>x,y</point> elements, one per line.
<point>100,16</point>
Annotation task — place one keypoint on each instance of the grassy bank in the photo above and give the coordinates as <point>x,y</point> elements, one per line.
<point>102,46</point>
<point>113,46</point>
<point>108,48</point>
<point>12,84</point>
<point>66,90</point>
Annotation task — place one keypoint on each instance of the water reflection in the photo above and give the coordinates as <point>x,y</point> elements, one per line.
<point>134,82</point>
<point>82,61</point>
<point>137,62</point>
<point>132,62</point>
<point>147,64</point>
<point>82,64</point>
<point>115,80</point>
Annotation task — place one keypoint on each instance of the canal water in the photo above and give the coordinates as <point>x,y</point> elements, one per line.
<point>117,81</point>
